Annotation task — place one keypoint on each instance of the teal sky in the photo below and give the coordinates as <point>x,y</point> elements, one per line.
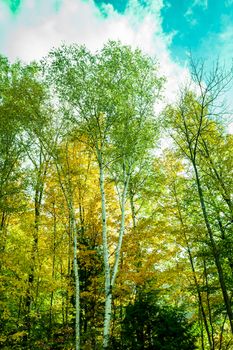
<point>196,25</point>
<point>192,23</point>
<point>167,29</point>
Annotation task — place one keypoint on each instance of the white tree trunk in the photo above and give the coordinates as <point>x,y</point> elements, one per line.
<point>121,233</point>
<point>108,288</point>
<point>110,280</point>
<point>67,192</point>
<point>77,288</point>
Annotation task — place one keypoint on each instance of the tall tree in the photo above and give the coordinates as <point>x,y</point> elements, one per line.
<point>192,121</point>
<point>110,98</point>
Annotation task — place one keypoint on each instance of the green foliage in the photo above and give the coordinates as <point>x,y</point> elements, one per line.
<point>149,325</point>
<point>60,121</point>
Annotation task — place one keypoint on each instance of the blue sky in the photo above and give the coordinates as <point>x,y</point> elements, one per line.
<point>194,24</point>
<point>203,26</point>
<point>167,29</point>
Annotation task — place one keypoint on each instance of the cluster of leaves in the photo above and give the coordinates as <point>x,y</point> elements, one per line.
<point>64,124</point>
<point>149,325</point>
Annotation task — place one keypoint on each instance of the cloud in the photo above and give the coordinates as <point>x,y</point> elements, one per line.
<point>201,3</point>
<point>228,3</point>
<point>38,27</point>
<point>190,15</point>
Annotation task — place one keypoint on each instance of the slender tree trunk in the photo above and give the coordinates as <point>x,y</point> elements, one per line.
<point>137,242</point>
<point>41,170</point>
<point>122,230</point>
<point>53,267</point>
<point>31,276</point>
<point>202,332</point>
<point>68,275</point>
<point>63,303</point>
<point>221,333</point>
<point>132,207</point>
<point>199,295</point>
<point>67,192</point>
<point>110,279</point>
<point>108,287</point>
<point>208,304</point>
<point>3,234</point>
<point>200,301</point>
<point>215,251</point>
<point>19,310</point>
<point>77,289</point>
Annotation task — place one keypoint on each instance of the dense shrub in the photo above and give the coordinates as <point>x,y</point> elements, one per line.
<point>148,325</point>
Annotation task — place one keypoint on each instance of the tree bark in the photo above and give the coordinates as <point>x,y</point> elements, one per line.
<point>110,278</point>
<point>215,251</point>
<point>67,192</point>
<point>108,287</point>
<point>199,296</point>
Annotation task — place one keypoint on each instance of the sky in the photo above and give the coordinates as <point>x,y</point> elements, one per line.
<point>166,29</point>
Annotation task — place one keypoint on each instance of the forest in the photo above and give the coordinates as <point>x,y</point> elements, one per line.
<point>116,217</point>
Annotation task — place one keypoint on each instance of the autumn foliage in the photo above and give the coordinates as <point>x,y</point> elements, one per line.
<point>107,240</point>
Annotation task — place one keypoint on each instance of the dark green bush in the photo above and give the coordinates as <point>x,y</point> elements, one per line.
<point>148,325</point>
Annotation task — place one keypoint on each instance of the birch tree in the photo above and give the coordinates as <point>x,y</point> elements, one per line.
<point>110,99</point>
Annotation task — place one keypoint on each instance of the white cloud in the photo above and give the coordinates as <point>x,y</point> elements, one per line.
<point>201,3</point>
<point>189,15</point>
<point>228,2</point>
<point>38,28</point>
